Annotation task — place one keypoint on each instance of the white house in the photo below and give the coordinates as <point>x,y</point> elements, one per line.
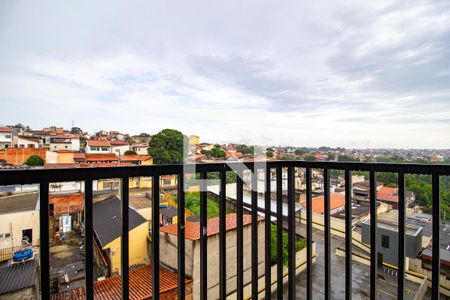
<point>6,137</point>
<point>24,141</point>
<point>20,219</point>
<point>119,147</point>
<point>98,146</point>
<point>140,149</point>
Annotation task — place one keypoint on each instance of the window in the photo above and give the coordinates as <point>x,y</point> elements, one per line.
<point>8,136</point>
<point>167,182</point>
<point>94,148</point>
<point>384,241</point>
<point>5,235</point>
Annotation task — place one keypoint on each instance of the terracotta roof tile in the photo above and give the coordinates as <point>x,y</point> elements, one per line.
<point>98,143</point>
<point>5,129</point>
<point>140,285</point>
<point>192,229</point>
<point>336,200</point>
<point>134,157</point>
<point>387,194</point>
<point>101,157</point>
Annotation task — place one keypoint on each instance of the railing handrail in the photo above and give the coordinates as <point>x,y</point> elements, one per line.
<point>29,176</point>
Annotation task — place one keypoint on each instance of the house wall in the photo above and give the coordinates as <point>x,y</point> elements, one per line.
<point>168,248</point>
<point>75,144</point>
<point>5,140</point>
<point>60,146</point>
<point>213,261</point>
<point>14,223</point>
<point>120,150</point>
<point>138,249</point>
<point>18,156</point>
<point>102,150</point>
<point>21,142</point>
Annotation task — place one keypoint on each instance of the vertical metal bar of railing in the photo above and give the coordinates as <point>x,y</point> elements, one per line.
<point>203,237</point>
<point>373,235</point>
<point>308,234</point>
<point>240,236</point>
<point>124,239</point>
<point>348,234</point>
<point>292,234</point>
<point>254,189</point>
<point>327,232</point>
<point>181,236</point>
<point>223,235</point>
<point>267,232</point>
<point>44,240</point>
<point>436,261</point>
<point>155,236</point>
<point>279,233</point>
<point>401,236</point>
<point>88,239</point>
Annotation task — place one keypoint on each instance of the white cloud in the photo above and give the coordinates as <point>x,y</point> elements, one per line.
<point>362,74</point>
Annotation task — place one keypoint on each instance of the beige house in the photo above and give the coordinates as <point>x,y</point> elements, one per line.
<point>19,220</point>
<point>168,246</point>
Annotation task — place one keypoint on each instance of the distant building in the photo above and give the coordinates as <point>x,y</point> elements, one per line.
<point>337,203</point>
<point>98,146</point>
<point>6,137</point>
<point>64,142</point>
<point>194,140</point>
<point>387,240</point>
<point>24,141</point>
<point>119,147</point>
<point>140,149</point>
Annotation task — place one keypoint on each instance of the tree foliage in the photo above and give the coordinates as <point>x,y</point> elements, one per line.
<point>166,147</point>
<point>300,244</point>
<point>130,152</point>
<point>34,161</point>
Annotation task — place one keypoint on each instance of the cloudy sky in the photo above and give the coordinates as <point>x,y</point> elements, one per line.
<point>356,74</point>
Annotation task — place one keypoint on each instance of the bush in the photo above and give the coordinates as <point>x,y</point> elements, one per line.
<point>130,152</point>
<point>34,160</point>
<point>300,244</point>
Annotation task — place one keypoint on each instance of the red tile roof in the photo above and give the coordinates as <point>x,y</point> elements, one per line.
<point>388,194</point>
<point>134,157</point>
<point>336,200</point>
<point>79,155</point>
<point>140,285</point>
<point>139,145</point>
<point>101,157</point>
<point>98,143</point>
<point>5,129</point>
<point>118,143</point>
<point>192,229</point>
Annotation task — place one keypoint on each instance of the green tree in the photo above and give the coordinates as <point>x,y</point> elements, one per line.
<point>34,160</point>
<point>166,147</point>
<point>309,157</point>
<point>216,152</point>
<point>269,153</point>
<point>130,152</point>
<point>331,156</point>
<point>300,244</point>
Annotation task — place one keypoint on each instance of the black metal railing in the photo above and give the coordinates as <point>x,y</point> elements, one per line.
<point>46,176</point>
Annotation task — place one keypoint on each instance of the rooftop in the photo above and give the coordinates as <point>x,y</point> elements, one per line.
<point>336,200</point>
<point>192,229</point>
<point>98,143</point>
<point>107,220</point>
<point>140,285</point>
<point>17,276</point>
<point>19,202</point>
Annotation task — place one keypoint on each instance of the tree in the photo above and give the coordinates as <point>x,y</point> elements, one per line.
<point>76,130</point>
<point>331,156</point>
<point>130,152</point>
<point>166,147</point>
<point>216,152</point>
<point>34,161</point>
<point>143,134</point>
<point>269,153</point>
<point>309,157</point>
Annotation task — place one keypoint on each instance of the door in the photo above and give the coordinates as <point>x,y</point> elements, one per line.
<point>380,259</point>
<point>27,235</point>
